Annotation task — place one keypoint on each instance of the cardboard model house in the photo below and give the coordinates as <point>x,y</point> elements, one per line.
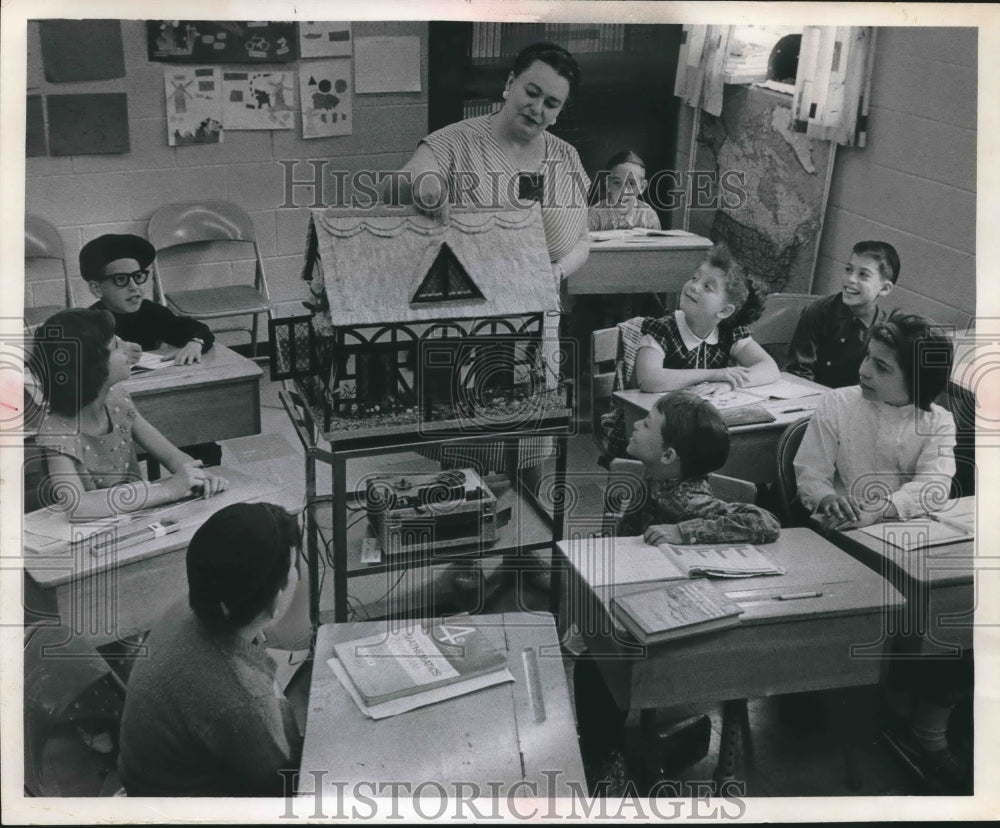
<point>390,285</point>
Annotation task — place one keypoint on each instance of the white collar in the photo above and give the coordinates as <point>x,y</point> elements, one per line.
<point>690,339</point>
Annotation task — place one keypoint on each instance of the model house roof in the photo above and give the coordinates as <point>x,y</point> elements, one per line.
<point>394,264</point>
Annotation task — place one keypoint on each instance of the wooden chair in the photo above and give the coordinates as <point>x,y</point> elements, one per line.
<point>625,477</point>
<point>205,223</point>
<point>605,353</point>
<point>792,513</point>
<point>776,325</point>
<point>42,242</point>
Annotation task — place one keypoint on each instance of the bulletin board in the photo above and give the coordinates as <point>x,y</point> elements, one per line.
<point>222,41</point>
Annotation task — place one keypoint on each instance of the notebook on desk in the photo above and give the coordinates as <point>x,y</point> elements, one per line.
<point>954,523</point>
<point>630,560</point>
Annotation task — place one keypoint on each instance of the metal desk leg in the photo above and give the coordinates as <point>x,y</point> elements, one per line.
<point>733,712</point>
<point>558,520</point>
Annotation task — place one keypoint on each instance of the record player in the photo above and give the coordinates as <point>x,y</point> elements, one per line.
<point>409,512</point>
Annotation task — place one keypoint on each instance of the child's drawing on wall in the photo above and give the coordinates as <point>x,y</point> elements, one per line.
<point>194,105</point>
<point>326,98</point>
<point>256,100</point>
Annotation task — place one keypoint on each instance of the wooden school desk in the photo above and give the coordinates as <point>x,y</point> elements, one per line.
<point>213,400</point>
<point>937,582</point>
<point>753,449</point>
<point>830,640</point>
<point>518,737</point>
<point>122,593</point>
<point>639,263</point>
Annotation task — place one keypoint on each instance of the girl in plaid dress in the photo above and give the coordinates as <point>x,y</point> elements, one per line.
<point>705,340</point>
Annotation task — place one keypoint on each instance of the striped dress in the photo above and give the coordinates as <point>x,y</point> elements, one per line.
<point>482,175</point>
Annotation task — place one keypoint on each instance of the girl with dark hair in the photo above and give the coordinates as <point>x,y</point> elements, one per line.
<point>882,450</point>
<point>204,715</point>
<point>91,428</point>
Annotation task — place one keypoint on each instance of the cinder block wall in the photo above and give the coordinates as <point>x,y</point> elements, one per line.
<point>85,196</point>
<point>914,184</point>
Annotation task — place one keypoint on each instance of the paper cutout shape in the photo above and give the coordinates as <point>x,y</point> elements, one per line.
<point>323,38</point>
<point>194,105</point>
<point>327,107</point>
<point>386,64</point>
<point>81,50</point>
<point>34,139</point>
<point>257,100</point>
<point>95,124</point>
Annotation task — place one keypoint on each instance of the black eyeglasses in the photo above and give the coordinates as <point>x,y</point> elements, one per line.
<point>121,279</point>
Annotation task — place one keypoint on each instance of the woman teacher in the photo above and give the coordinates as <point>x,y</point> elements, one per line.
<point>509,157</point>
<point>503,160</point>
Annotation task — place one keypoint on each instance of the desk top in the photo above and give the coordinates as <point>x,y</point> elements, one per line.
<point>786,411</point>
<point>265,465</point>
<point>812,564</point>
<point>220,364</point>
<point>639,239</point>
<point>501,735</point>
<point>935,566</point>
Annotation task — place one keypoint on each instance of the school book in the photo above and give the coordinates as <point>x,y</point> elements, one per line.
<point>955,523</point>
<point>419,657</point>
<point>630,560</point>
<point>741,560</point>
<point>674,611</point>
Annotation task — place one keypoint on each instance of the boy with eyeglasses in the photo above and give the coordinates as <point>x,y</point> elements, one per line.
<point>115,267</point>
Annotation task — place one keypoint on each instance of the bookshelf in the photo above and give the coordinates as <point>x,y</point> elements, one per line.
<point>625,98</point>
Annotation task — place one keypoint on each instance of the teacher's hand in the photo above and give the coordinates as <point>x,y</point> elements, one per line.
<point>430,195</point>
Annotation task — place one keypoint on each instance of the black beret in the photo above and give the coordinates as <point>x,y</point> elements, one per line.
<point>110,247</point>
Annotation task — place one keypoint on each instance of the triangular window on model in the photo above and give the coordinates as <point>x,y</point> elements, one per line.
<point>446,280</point>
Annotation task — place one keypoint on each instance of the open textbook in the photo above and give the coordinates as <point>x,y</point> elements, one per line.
<point>631,560</point>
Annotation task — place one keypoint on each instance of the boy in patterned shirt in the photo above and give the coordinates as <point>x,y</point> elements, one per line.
<point>680,442</point>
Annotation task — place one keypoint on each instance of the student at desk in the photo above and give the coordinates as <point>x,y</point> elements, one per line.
<point>705,340</point>
<point>680,442</point>
<point>882,450</point>
<point>204,715</point>
<point>621,206</point>
<point>91,427</point>
<point>115,267</point>
<point>830,338</point>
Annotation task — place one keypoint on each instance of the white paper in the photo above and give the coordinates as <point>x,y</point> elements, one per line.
<point>194,105</point>
<point>386,64</point>
<point>152,361</point>
<point>619,560</point>
<point>257,100</point>
<point>327,107</point>
<point>324,38</point>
